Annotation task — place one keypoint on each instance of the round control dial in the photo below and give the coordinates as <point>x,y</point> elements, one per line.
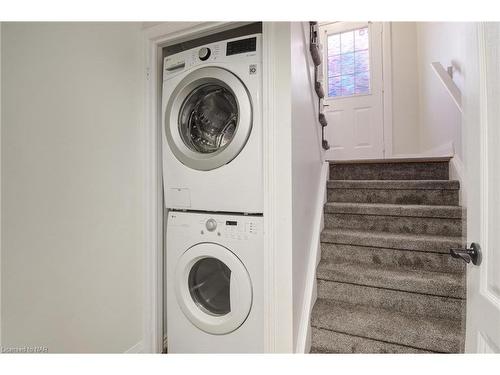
<point>211,225</point>
<point>204,53</point>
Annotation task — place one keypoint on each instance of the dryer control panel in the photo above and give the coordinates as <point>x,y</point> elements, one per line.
<point>217,226</point>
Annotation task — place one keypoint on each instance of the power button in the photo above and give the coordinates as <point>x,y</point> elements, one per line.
<point>211,225</point>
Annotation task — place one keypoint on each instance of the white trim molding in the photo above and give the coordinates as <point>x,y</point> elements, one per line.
<point>387,87</point>
<point>0,185</point>
<point>310,293</point>
<point>277,164</point>
<point>457,172</point>
<point>136,349</point>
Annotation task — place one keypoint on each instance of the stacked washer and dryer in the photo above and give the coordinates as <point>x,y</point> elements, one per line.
<point>212,171</point>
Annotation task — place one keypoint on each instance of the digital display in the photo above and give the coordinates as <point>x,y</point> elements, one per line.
<point>230,222</point>
<point>241,46</point>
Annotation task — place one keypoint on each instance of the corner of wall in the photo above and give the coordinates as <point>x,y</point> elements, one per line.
<point>310,291</point>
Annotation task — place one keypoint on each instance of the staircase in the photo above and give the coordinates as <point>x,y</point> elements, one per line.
<point>386,283</point>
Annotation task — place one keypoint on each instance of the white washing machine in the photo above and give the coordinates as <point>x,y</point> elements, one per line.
<point>212,127</point>
<point>214,283</point>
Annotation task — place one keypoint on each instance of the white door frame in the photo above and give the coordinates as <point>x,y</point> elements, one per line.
<point>386,85</point>
<point>278,330</point>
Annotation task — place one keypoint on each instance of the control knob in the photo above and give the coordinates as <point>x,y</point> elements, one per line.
<point>211,225</point>
<point>204,53</point>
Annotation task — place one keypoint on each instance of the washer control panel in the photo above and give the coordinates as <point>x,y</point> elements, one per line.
<point>245,50</point>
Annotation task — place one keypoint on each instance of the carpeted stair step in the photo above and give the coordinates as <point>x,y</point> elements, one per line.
<point>439,335</point>
<point>432,283</point>
<point>394,300</point>
<point>326,341</point>
<point>404,259</point>
<point>391,170</point>
<point>413,192</point>
<point>442,220</point>
<point>417,242</point>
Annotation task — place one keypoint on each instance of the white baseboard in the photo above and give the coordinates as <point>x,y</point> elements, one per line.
<point>137,348</point>
<point>310,293</point>
<point>457,172</point>
<point>444,150</point>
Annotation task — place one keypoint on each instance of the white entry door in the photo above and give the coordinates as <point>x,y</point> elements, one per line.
<point>352,78</point>
<point>482,142</point>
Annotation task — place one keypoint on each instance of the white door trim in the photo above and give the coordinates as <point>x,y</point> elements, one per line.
<point>277,159</point>
<point>0,186</point>
<point>276,300</point>
<point>387,86</point>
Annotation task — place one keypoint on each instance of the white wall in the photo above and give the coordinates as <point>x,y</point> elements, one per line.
<point>71,186</point>
<point>307,161</point>
<point>405,89</point>
<point>424,116</point>
<point>440,120</point>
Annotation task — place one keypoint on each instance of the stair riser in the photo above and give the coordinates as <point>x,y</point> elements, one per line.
<point>395,224</point>
<point>418,244</point>
<point>446,285</point>
<point>405,259</point>
<point>394,196</point>
<point>390,171</point>
<point>325,341</point>
<point>394,300</point>
<point>378,324</point>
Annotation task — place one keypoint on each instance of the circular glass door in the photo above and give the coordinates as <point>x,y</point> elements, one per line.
<point>208,118</point>
<point>213,288</point>
<point>209,284</point>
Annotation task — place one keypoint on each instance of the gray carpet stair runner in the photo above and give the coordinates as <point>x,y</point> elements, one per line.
<point>386,282</point>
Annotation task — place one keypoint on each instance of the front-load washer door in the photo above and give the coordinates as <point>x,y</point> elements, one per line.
<point>208,118</point>
<point>213,288</point>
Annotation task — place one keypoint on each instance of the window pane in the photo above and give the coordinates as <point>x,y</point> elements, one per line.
<point>347,42</point>
<point>334,86</point>
<point>348,69</point>
<point>361,40</point>
<point>361,61</point>
<point>347,63</point>
<point>362,81</point>
<point>333,65</point>
<point>347,84</point>
<point>333,44</point>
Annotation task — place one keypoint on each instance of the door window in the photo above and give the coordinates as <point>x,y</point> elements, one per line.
<point>348,65</point>
<point>209,286</point>
<point>208,118</point>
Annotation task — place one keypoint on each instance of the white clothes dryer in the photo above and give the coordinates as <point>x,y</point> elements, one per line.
<point>214,283</point>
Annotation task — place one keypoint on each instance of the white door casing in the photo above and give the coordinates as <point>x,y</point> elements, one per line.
<point>482,142</point>
<point>355,123</point>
